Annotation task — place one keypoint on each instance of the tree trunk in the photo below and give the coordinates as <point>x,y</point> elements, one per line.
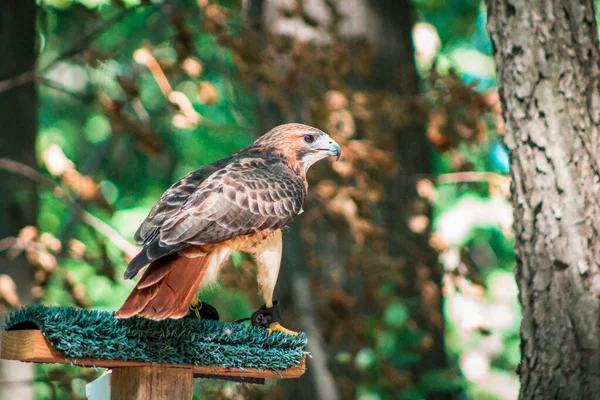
<point>547,57</point>
<point>394,69</point>
<point>386,25</point>
<point>18,199</point>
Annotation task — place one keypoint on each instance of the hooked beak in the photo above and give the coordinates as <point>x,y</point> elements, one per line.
<point>333,149</point>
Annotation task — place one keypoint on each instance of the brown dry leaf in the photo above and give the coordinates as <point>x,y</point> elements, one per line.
<point>344,169</point>
<point>207,93</point>
<point>340,299</point>
<point>426,344</point>
<point>437,243</point>
<point>216,13</point>
<point>192,66</point>
<point>181,121</point>
<point>8,291</point>
<point>368,229</point>
<point>501,187</point>
<point>427,190</point>
<point>360,98</point>
<point>77,290</point>
<point>43,260</point>
<point>344,205</point>
<point>56,161</point>
<point>458,162</point>
<point>84,186</point>
<point>341,124</point>
<point>326,189</point>
<point>360,148</point>
<point>468,287</point>
<point>51,242</point>
<point>40,276</point>
<point>28,234</point>
<point>87,189</point>
<point>418,223</point>
<point>374,194</point>
<point>37,292</point>
<point>336,100</point>
<point>76,249</point>
<point>360,107</point>
<point>500,128</point>
<point>448,288</point>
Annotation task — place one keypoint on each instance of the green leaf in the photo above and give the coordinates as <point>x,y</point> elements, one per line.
<point>97,129</point>
<point>386,343</point>
<point>396,315</point>
<point>367,393</point>
<point>127,221</point>
<point>406,359</point>
<point>343,357</point>
<point>99,289</point>
<point>444,380</point>
<point>411,394</point>
<point>365,359</point>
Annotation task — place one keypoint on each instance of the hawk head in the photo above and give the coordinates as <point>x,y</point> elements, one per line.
<point>300,145</point>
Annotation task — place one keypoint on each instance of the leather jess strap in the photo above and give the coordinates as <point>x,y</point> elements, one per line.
<point>203,310</point>
<point>262,317</point>
<point>266,316</point>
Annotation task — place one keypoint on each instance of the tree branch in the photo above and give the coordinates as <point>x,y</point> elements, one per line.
<point>30,173</point>
<point>16,81</point>
<point>85,42</point>
<point>32,75</point>
<point>85,97</point>
<point>473,176</point>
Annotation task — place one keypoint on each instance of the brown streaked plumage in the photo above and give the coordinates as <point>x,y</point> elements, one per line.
<point>238,203</point>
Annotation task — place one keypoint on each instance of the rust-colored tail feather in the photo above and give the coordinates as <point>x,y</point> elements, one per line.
<point>166,289</point>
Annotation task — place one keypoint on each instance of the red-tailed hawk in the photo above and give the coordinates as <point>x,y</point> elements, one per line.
<point>238,203</point>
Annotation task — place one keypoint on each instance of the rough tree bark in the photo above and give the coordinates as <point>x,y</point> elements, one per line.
<point>18,199</point>
<point>547,57</point>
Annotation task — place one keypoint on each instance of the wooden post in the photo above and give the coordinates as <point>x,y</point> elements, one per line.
<point>152,382</point>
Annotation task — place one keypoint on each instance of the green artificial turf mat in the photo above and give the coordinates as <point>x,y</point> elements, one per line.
<point>82,333</point>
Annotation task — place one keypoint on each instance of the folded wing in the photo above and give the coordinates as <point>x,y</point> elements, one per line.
<point>212,206</point>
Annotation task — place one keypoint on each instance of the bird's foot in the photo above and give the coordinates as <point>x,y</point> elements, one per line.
<point>269,319</point>
<point>276,327</point>
<point>202,310</point>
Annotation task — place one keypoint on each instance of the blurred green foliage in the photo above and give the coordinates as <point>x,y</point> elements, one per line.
<point>129,180</point>
<point>475,217</point>
<point>469,215</point>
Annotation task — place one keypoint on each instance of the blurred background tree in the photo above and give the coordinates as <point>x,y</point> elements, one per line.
<point>18,197</point>
<point>400,269</point>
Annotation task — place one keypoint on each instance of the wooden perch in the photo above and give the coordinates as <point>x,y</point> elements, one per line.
<point>136,380</point>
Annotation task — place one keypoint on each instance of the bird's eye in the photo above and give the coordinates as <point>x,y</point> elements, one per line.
<point>309,138</point>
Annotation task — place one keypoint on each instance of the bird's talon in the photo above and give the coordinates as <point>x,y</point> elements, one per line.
<point>276,327</point>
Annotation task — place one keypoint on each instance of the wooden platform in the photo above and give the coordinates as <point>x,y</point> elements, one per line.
<point>32,346</point>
